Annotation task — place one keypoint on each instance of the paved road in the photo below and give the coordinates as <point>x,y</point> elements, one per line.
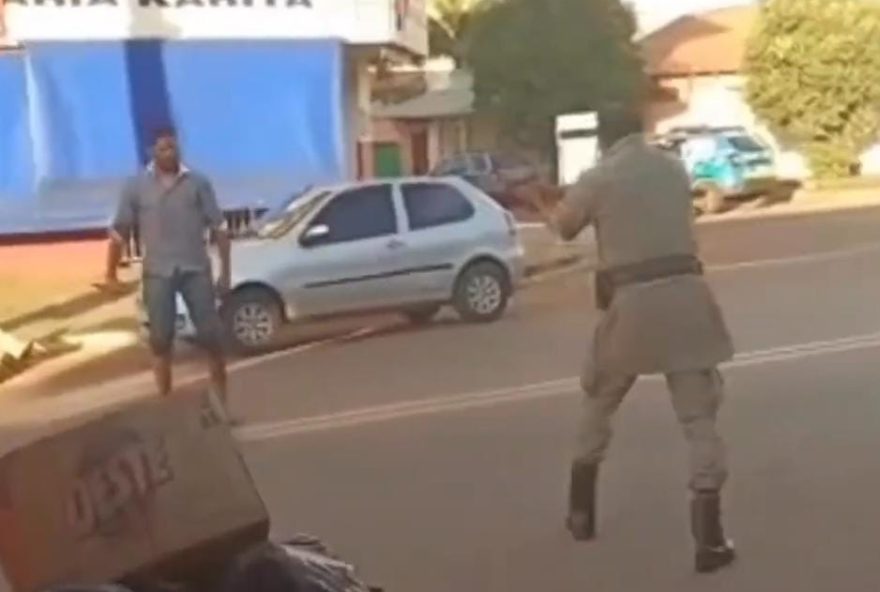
<point>443,450</point>
<point>781,282</point>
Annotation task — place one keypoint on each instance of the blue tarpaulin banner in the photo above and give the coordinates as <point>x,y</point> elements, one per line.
<point>16,149</point>
<point>261,118</point>
<point>82,117</point>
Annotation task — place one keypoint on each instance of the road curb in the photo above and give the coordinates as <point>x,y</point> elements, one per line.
<point>796,208</point>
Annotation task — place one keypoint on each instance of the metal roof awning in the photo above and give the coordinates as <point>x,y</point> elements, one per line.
<point>454,97</point>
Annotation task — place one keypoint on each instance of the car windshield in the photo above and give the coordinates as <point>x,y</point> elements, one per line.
<point>278,223</point>
<point>455,165</point>
<point>510,161</point>
<point>745,144</point>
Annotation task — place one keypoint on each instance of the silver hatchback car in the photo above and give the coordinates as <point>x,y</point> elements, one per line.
<point>411,245</point>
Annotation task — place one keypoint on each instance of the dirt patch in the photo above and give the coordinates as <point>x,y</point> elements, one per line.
<point>35,276</point>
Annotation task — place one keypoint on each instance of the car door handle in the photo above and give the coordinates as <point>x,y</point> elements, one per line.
<point>396,244</point>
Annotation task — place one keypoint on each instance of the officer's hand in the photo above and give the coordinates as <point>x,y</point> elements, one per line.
<point>539,197</point>
<point>528,194</point>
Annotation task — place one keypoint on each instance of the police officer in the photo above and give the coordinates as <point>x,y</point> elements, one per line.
<point>658,317</point>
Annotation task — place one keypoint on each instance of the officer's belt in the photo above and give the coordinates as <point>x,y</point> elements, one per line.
<point>608,281</point>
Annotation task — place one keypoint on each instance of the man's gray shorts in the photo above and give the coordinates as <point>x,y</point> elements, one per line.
<point>197,291</point>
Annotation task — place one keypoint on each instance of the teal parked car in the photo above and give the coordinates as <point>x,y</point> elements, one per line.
<point>723,163</point>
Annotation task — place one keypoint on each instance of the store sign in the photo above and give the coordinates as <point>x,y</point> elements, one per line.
<point>380,22</point>
<point>162,3</point>
<point>108,490</point>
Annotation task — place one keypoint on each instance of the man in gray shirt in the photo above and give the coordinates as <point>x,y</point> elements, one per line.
<point>174,209</point>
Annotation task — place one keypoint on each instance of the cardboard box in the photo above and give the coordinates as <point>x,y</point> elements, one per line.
<point>159,487</point>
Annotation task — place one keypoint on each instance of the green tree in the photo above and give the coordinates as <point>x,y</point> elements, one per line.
<point>533,60</point>
<point>814,77</point>
<point>448,22</point>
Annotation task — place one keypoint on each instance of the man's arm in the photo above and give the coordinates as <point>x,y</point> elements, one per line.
<point>119,233</point>
<point>114,257</point>
<point>574,212</point>
<point>216,223</point>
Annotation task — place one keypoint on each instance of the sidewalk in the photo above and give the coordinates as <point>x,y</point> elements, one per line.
<point>48,299</point>
<point>36,276</point>
<point>803,202</point>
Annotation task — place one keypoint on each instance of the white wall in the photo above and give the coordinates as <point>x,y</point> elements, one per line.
<point>370,22</point>
<point>436,150</point>
<point>720,100</point>
<point>357,105</point>
<point>653,14</point>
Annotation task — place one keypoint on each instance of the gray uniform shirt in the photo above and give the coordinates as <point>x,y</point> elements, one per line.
<point>172,221</point>
<point>639,201</point>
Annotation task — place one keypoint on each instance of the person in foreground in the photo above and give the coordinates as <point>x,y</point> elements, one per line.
<point>174,208</point>
<point>658,317</point>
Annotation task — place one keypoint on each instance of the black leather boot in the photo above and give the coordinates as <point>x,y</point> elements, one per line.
<point>582,501</point>
<point>713,550</point>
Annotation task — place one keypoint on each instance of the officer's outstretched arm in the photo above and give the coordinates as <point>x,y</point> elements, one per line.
<point>569,222</point>
<point>575,211</point>
<point>570,215</point>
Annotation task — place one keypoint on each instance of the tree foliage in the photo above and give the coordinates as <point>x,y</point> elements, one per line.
<point>448,22</point>
<point>814,77</point>
<point>535,59</point>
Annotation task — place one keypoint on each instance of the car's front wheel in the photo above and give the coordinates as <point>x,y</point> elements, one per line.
<point>253,319</point>
<point>482,293</point>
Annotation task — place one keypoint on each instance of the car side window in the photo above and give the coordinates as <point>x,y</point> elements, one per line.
<point>359,214</point>
<point>429,205</point>
<point>744,143</point>
<point>508,161</point>
<point>459,170</point>
<point>477,164</point>
<point>452,166</point>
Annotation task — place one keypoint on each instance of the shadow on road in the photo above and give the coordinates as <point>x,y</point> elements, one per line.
<point>77,305</point>
<point>354,330</point>
<point>135,358</point>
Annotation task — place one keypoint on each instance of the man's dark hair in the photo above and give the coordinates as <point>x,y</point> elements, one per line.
<point>162,132</point>
<point>617,121</point>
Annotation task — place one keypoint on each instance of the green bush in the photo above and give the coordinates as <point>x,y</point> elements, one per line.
<point>535,59</point>
<point>813,71</point>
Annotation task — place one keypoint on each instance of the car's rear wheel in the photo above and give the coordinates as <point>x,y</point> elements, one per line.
<point>482,293</point>
<point>422,315</point>
<point>711,198</point>
<point>253,319</point>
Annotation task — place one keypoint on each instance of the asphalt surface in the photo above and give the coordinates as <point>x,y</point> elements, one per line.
<point>781,282</point>
<point>436,458</point>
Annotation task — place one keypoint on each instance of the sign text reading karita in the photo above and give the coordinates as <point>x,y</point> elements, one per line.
<point>165,3</point>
